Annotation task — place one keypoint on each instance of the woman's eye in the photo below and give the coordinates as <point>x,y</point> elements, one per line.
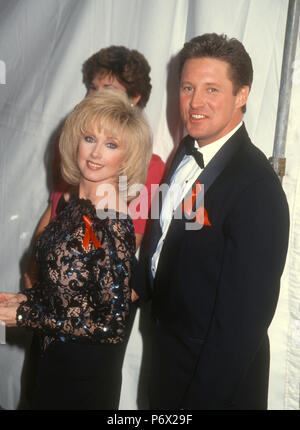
<point>89,139</point>
<point>111,145</point>
<point>187,89</point>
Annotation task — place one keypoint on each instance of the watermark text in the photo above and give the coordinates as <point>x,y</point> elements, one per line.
<point>178,204</point>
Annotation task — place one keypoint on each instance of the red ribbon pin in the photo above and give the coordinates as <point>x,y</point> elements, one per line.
<point>205,220</point>
<point>89,234</point>
<point>201,213</point>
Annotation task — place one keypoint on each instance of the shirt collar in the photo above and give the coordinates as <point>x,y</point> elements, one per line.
<point>210,150</point>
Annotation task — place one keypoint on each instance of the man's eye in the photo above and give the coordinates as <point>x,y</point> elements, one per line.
<point>89,139</point>
<point>212,90</point>
<point>187,88</point>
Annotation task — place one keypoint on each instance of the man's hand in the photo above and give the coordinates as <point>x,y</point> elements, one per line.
<point>134,296</point>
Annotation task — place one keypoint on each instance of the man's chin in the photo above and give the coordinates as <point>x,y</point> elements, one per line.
<point>195,132</point>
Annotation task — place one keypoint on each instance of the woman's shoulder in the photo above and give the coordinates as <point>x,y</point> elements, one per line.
<point>116,226</point>
<point>115,217</point>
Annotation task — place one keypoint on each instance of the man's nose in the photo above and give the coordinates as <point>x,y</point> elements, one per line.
<point>198,99</point>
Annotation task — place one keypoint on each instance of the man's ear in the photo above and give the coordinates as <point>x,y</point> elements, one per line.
<point>242,96</point>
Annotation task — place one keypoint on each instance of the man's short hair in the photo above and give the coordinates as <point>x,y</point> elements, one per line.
<point>232,51</point>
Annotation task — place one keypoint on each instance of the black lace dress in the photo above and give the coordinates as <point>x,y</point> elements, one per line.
<point>81,306</point>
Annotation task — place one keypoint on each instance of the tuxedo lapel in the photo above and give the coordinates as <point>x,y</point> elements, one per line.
<point>207,177</point>
<point>218,163</point>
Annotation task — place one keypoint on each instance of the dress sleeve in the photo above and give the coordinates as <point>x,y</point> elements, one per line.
<point>90,297</point>
<point>54,199</point>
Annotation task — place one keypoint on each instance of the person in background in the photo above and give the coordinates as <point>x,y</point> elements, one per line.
<point>80,305</point>
<point>215,276</point>
<point>128,71</point>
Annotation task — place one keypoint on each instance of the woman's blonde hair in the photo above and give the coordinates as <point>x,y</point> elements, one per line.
<point>109,110</point>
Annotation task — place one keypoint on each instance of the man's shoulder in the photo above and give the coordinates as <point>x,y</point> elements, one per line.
<point>248,167</point>
<point>252,161</point>
<point>259,162</point>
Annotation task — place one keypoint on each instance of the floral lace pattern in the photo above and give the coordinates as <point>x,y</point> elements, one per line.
<point>82,293</point>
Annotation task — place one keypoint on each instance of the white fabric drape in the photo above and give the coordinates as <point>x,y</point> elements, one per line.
<point>43,44</point>
<point>284,388</point>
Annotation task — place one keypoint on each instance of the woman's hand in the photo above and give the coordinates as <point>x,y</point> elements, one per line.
<point>7,299</point>
<point>9,304</point>
<point>8,315</point>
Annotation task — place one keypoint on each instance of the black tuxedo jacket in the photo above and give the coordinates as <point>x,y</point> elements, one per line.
<point>216,288</point>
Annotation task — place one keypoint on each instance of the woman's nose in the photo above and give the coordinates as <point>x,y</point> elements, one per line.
<point>97,151</point>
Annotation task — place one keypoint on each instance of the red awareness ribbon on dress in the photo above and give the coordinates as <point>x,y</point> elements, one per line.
<point>89,234</point>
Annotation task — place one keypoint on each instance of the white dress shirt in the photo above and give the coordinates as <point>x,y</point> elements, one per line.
<point>181,182</point>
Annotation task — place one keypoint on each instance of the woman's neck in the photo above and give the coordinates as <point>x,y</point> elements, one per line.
<point>104,196</point>
<point>88,191</point>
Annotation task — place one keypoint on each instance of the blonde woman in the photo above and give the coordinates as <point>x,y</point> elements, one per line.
<point>126,70</point>
<point>81,303</point>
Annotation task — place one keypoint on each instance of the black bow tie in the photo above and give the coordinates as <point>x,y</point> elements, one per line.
<point>191,150</point>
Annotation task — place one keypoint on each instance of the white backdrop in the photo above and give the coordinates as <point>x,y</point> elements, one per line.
<point>43,44</point>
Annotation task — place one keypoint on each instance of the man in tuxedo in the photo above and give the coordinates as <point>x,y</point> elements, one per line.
<point>215,287</point>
